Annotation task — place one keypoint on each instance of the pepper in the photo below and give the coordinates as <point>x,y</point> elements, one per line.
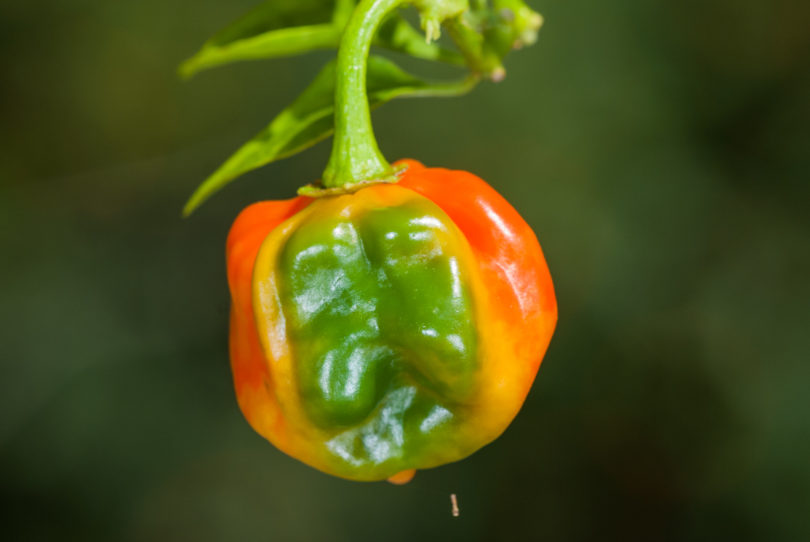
<point>393,328</point>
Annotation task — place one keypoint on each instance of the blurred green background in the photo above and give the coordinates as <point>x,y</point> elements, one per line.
<point>660,150</point>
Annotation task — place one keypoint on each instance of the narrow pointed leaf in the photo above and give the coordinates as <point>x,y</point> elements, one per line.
<point>272,29</point>
<point>287,28</point>
<point>310,119</point>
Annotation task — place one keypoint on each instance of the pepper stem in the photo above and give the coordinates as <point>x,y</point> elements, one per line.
<point>355,154</point>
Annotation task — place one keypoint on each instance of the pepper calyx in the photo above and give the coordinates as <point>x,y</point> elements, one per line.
<point>317,190</point>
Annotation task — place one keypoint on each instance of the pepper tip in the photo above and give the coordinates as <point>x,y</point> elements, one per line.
<point>402,477</point>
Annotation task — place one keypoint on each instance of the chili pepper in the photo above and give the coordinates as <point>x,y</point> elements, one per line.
<point>394,328</point>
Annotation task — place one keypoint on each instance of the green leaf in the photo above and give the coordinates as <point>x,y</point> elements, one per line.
<point>291,27</point>
<point>273,29</point>
<point>310,119</point>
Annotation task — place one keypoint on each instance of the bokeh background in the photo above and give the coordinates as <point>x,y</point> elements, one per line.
<point>660,150</point>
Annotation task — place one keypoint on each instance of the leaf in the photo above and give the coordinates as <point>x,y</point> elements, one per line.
<point>310,119</point>
<point>272,29</point>
<point>285,28</point>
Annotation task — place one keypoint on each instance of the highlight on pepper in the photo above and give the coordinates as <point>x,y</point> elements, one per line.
<point>389,318</point>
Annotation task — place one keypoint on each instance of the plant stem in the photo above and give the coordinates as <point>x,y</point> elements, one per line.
<point>355,154</point>
<point>473,48</point>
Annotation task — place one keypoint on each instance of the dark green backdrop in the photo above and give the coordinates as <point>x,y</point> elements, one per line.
<point>661,151</point>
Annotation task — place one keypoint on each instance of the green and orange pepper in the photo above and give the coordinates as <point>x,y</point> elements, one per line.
<point>395,328</point>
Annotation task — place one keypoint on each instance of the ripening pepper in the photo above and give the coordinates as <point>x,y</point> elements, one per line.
<point>393,328</point>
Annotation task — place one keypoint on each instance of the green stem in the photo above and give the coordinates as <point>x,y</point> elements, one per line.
<point>472,46</point>
<point>343,10</point>
<point>355,154</point>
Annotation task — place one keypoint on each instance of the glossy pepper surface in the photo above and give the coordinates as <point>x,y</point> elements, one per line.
<point>394,328</point>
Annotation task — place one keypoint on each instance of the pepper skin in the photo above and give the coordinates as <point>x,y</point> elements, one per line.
<point>395,328</point>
